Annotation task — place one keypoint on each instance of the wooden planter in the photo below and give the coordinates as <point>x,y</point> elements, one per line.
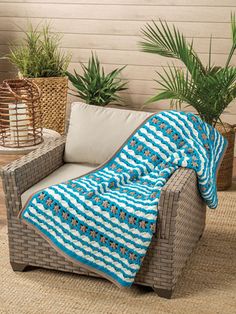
<point>53,101</point>
<point>225,173</point>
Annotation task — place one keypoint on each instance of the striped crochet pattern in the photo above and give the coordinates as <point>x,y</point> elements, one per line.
<point>105,220</point>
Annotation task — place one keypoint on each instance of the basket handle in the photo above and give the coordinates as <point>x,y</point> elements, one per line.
<point>23,98</point>
<point>36,86</point>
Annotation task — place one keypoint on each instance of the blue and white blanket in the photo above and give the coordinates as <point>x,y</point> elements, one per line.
<point>105,220</point>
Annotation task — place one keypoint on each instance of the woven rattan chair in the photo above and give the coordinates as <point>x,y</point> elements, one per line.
<point>181,222</point>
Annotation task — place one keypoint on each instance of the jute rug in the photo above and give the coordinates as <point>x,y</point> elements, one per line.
<point>208,284</point>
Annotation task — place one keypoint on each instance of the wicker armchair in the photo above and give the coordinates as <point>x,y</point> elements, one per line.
<point>181,223</point>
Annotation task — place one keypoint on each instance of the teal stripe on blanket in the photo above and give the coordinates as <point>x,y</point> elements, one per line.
<point>105,220</point>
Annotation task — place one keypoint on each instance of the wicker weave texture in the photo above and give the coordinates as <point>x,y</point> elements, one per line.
<point>53,101</point>
<point>225,173</point>
<point>20,115</point>
<point>181,222</point>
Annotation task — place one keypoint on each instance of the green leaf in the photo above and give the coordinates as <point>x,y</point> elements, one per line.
<point>39,54</point>
<point>209,90</point>
<point>95,86</point>
<point>167,42</point>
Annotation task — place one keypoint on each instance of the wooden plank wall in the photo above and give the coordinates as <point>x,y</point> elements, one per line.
<point>112,29</point>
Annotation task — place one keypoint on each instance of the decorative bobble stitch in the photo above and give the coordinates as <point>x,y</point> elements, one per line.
<point>83,228</point>
<point>133,143</point>
<point>123,250</point>
<point>41,196</point>
<point>154,158</point>
<point>142,224</point>
<point>114,209</point>
<point>154,195</point>
<point>132,220</point>
<point>97,199</point>
<point>65,215</point>
<point>56,208</point>
<point>93,233</point>
<point>103,239</point>
<point>111,184</point>
<point>140,148</point>
<point>105,204</point>
<point>74,222</point>
<point>113,245</point>
<point>49,202</point>
<point>122,215</point>
<point>132,256</point>
<point>153,227</point>
<point>90,194</point>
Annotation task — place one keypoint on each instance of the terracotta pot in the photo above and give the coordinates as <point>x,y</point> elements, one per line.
<point>225,173</point>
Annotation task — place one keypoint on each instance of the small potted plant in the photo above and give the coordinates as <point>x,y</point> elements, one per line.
<point>96,87</point>
<point>208,89</point>
<point>39,58</point>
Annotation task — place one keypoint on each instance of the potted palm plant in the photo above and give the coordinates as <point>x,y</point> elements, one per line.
<point>39,58</point>
<point>208,89</point>
<point>96,87</point>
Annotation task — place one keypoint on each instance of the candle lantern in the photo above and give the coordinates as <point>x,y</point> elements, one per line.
<point>20,115</point>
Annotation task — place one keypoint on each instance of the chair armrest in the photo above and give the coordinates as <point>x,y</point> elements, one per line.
<point>181,190</point>
<point>21,174</point>
<point>180,224</point>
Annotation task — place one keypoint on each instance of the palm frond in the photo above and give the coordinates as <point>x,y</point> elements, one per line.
<point>167,42</point>
<point>233,35</point>
<point>209,90</point>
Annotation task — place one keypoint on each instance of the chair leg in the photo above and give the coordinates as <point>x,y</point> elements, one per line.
<point>18,267</point>
<point>163,293</point>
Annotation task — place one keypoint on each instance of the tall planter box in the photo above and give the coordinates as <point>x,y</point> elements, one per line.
<point>53,101</point>
<point>225,173</point>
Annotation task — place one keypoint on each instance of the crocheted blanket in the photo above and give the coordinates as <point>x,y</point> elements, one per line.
<point>105,220</point>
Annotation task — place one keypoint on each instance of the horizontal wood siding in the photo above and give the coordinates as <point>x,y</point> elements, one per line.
<point>112,29</point>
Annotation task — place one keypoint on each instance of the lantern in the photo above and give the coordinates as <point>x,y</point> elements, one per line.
<point>20,115</point>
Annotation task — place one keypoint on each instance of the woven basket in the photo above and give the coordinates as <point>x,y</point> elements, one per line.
<point>53,101</point>
<point>225,173</point>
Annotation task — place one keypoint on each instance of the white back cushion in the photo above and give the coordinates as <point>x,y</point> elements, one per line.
<point>95,133</point>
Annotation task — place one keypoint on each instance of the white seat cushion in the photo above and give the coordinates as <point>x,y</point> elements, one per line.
<point>64,173</point>
<point>96,133</point>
